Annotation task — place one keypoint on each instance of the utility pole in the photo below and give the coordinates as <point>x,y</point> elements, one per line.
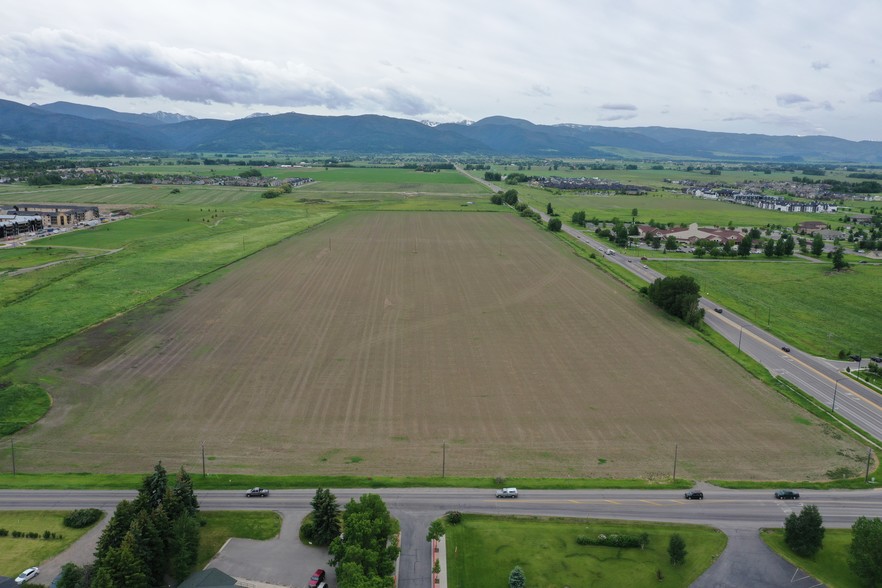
<point>13,457</point>
<point>676,450</point>
<point>867,475</point>
<point>741,332</point>
<point>203,459</point>
<point>443,458</point>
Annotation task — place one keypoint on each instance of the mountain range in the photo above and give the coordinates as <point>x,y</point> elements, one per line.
<point>68,125</point>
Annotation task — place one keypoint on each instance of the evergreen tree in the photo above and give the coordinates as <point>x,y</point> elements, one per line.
<point>817,244</point>
<point>839,262</point>
<point>184,492</point>
<point>123,567</point>
<point>325,517</point>
<point>153,488</point>
<point>184,547</point>
<point>116,528</point>
<point>517,578</point>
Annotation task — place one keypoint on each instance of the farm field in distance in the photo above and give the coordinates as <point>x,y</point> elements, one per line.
<point>362,346</point>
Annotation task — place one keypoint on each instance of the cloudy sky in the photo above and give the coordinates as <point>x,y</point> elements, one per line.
<point>780,67</point>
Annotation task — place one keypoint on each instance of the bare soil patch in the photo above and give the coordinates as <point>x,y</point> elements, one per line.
<point>362,346</point>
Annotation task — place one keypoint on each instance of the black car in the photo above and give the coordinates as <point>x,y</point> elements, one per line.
<point>876,359</point>
<point>854,357</point>
<point>259,492</point>
<point>719,310</point>
<point>785,349</point>
<point>694,495</point>
<point>786,495</point>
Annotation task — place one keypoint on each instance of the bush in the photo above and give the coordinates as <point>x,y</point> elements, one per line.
<point>307,530</point>
<point>4,532</point>
<point>81,518</point>
<point>677,550</point>
<point>454,517</point>
<point>613,540</point>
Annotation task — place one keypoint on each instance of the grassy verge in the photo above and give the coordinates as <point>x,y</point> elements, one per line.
<point>18,554</point>
<point>221,525</point>
<point>85,481</point>
<point>829,565</point>
<point>482,550</point>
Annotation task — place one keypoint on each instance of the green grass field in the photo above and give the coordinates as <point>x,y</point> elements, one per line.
<point>14,258</point>
<point>812,307</point>
<point>117,196</point>
<point>221,525</point>
<point>830,565</point>
<point>482,550</point>
<point>18,554</point>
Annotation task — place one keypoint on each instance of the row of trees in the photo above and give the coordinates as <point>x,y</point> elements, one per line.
<point>149,538</point>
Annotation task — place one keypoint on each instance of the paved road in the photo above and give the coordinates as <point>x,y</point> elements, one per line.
<point>739,513</point>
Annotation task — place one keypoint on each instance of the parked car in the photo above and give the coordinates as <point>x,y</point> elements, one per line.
<point>259,492</point>
<point>507,493</point>
<point>876,359</point>
<point>855,357</point>
<point>317,578</point>
<point>27,575</point>
<point>786,495</point>
<point>785,349</point>
<point>718,310</point>
<point>694,495</point>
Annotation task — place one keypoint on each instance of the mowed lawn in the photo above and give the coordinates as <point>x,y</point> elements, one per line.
<point>366,346</point>
<point>17,554</point>
<point>482,550</point>
<point>812,307</point>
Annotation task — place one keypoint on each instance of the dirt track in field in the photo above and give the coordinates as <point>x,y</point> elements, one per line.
<point>364,345</point>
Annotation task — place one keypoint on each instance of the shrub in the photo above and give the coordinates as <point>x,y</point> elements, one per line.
<point>81,518</point>
<point>307,530</point>
<point>4,532</point>
<point>677,550</point>
<point>454,517</point>
<point>614,540</point>
<point>517,578</point>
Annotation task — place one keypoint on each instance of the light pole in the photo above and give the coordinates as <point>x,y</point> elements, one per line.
<point>741,332</point>
<point>835,388</point>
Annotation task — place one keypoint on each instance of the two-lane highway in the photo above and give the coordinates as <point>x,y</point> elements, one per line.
<point>739,513</point>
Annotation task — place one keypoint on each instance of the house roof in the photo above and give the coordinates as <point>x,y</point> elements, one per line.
<point>210,578</point>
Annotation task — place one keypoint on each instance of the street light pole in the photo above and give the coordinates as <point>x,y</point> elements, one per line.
<point>741,332</point>
<point>835,388</point>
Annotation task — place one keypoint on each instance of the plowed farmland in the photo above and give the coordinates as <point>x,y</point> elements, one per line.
<point>365,345</point>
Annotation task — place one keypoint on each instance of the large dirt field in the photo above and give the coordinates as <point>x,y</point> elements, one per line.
<point>362,346</point>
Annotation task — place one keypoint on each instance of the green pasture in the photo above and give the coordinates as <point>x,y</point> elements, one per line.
<point>18,554</point>
<point>482,550</point>
<point>14,258</point>
<point>243,524</point>
<point>666,207</point>
<point>122,194</point>
<point>804,303</point>
<point>830,565</point>
<point>21,405</point>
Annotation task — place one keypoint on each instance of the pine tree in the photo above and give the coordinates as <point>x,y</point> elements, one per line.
<point>325,517</point>
<point>517,578</point>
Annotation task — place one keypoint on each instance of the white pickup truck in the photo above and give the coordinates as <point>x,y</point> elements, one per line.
<point>507,493</point>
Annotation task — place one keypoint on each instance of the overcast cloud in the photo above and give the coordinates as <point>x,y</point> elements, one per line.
<point>760,66</point>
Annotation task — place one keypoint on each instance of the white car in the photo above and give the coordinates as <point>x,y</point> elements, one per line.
<point>28,574</point>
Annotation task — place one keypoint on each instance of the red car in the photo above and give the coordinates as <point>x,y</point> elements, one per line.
<point>317,578</point>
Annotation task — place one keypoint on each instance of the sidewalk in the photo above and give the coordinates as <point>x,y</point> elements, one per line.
<point>439,552</point>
